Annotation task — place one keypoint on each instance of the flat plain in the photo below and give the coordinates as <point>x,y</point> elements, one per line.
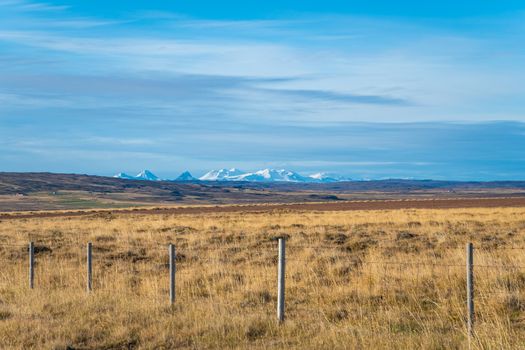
<point>355,279</point>
<point>46,191</point>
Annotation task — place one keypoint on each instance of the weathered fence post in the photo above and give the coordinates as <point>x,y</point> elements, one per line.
<point>280,279</point>
<point>172,273</point>
<point>31,264</point>
<point>89,267</point>
<point>470,291</point>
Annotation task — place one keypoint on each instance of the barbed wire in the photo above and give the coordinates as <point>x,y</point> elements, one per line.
<point>226,246</point>
<point>163,247</point>
<point>253,260</point>
<point>498,248</point>
<point>109,254</point>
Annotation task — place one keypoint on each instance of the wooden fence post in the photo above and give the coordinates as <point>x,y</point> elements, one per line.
<point>281,279</point>
<point>470,291</point>
<point>89,286</point>
<point>31,264</point>
<point>172,273</point>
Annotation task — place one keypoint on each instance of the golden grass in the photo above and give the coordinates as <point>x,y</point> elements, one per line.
<point>355,280</point>
<point>160,206</point>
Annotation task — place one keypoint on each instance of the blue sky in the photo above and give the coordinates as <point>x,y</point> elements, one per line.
<point>364,89</point>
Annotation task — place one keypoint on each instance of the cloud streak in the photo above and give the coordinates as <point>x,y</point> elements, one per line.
<point>330,96</point>
<point>28,6</point>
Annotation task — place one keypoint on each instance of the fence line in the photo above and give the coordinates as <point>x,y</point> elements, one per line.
<point>177,268</point>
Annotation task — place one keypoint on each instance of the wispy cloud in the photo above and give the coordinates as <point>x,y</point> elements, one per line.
<point>29,6</point>
<point>339,97</point>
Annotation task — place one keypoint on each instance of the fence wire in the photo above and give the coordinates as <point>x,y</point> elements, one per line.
<point>207,274</point>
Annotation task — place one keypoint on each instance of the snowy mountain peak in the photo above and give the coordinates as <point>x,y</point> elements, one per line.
<point>185,176</point>
<point>318,176</point>
<point>221,174</point>
<point>143,175</point>
<point>268,175</point>
<point>281,175</point>
<point>124,176</point>
<point>147,175</point>
<point>324,177</point>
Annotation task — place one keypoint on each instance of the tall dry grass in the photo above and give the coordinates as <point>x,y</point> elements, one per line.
<point>355,280</point>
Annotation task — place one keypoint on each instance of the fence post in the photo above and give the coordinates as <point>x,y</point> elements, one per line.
<point>280,279</point>
<point>31,264</point>
<point>172,273</point>
<point>89,267</point>
<point>470,291</point>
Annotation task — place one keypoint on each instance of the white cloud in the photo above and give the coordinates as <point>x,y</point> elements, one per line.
<point>444,80</point>
<point>30,6</point>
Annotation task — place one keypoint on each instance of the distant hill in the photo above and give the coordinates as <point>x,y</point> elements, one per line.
<point>33,191</point>
<point>186,176</point>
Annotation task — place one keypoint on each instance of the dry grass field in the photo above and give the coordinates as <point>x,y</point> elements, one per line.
<point>383,279</point>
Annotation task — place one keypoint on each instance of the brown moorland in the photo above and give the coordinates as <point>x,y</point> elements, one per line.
<point>430,203</point>
<point>369,279</point>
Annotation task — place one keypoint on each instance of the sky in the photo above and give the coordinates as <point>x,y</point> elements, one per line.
<point>365,89</point>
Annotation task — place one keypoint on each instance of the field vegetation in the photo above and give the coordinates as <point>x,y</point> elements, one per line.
<point>385,279</point>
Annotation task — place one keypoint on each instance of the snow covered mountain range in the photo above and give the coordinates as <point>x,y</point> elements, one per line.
<point>143,175</point>
<point>233,174</point>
